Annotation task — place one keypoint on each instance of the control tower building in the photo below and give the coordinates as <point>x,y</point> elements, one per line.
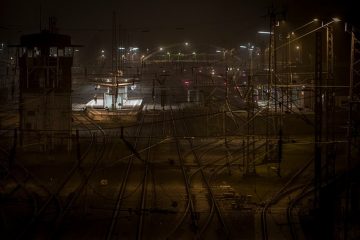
<point>45,61</point>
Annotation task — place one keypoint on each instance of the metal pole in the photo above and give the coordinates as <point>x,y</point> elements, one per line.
<point>318,118</point>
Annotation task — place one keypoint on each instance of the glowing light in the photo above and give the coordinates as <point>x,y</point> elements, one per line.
<point>265,32</point>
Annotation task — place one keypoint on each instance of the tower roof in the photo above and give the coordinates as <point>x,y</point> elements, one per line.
<point>45,39</point>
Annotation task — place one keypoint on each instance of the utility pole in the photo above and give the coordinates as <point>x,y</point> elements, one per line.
<point>353,123</point>
<point>114,63</point>
<point>318,118</point>
<point>250,141</point>
<point>329,106</point>
<point>114,46</point>
<point>272,85</point>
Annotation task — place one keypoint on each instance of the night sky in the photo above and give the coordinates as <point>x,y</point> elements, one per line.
<point>158,22</point>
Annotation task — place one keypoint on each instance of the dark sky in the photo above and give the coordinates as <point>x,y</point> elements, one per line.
<point>159,22</point>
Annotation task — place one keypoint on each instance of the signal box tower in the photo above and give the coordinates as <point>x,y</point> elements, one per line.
<point>45,61</point>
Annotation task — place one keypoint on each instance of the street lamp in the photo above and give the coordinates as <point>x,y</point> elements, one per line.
<point>265,32</point>
<point>194,54</point>
<point>298,51</point>
<point>305,25</point>
<point>334,20</point>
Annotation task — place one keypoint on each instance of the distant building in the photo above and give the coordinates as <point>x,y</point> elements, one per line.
<point>45,61</point>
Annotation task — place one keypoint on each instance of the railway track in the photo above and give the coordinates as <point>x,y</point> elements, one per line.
<point>56,194</point>
<point>121,192</point>
<point>288,188</point>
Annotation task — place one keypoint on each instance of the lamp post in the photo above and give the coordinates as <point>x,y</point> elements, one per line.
<point>194,56</point>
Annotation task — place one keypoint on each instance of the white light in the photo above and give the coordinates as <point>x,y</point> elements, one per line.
<point>76,50</point>
<point>265,32</point>
<point>218,51</point>
<point>160,48</point>
<point>121,48</point>
<point>186,44</point>
<point>102,51</point>
<point>335,19</point>
<point>242,46</point>
<point>194,53</point>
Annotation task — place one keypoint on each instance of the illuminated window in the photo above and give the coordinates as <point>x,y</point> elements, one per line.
<point>60,52</point>
<point>53,52</point>
<point>68,52</point>
<point>37,51</point>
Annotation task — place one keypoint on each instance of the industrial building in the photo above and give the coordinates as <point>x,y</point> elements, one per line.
<point>45,61</point>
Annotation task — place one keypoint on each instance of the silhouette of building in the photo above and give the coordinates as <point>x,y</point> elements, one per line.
<point>45,61</point>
